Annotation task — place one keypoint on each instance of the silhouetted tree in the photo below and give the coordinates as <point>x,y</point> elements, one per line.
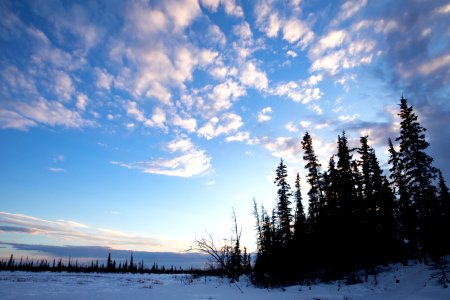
<point>283,210</point>
<point>418,175</point>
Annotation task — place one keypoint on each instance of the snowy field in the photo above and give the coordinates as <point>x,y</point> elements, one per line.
<point>415,282</point>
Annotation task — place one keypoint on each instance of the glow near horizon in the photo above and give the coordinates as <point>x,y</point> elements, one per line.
<point>141,124</point>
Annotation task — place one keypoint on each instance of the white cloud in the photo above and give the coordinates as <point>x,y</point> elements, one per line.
<point>273,25</point>
<point>228,122</point>
<point>219,98</point>
<point>294,29</point>
<point>356,53</point>
<point>63,86</point>
<point>182,12</point>
<point>216,35</point>
<point>134,111</point>
<point>17,80</point>
<point>238,137</point>
<point>348,118</point>
<point>321,126</point>
<point>212,5</point>
<point>287,148</point>
<point>332,40</point>
<point>13,120</point>
<point>158,119</point>
<point>191,161</point>
<point>292,53</point>
<point>243,31</point>
<point>24,115</point>
<point>330,63</point>
<point>230,7</point>
<point>82,101</point>
<point>57,170</point>
<point>316,108</point>
<point>386,26</point>
<point>303,92</point>
<point>189,124</point>
<point>252,77</point>
<point>290,126</point>
<point>444,9</point>
<point>263,115</point>
<point>104,79</point>
<point>442,61</point>
<point>305,124</point>
<point>69,232</point>
<point>349,9</point>
<point>271,21</point>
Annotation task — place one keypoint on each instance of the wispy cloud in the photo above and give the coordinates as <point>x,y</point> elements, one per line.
<point>51,113</point>
<point>72,232</point>
<point>56,170</point>
<point>190,161</point>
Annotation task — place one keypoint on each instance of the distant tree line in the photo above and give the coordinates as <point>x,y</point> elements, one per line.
<point>358,217</point>
<point>111,266</point>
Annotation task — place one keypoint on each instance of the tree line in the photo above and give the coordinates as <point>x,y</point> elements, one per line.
<point>111,266</point>
<point>358,217</point>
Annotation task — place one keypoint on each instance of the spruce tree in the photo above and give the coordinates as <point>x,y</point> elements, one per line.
<point>405,217</point>
<point>418,176</point>
<point>348,217</point>
<point>444,207</point>
<point>299,218</point>
<point>314,180</point>
<point>283,209</point>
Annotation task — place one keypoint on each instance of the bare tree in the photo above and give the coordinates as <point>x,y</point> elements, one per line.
<point>227,257</point>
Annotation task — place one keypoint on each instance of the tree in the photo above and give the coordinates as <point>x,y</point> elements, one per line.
<point>314,181</point>
<point>283,210</point>
<point>418,175</point>
<point>236,260</point>
<point>299,217</point>
<point>348,216</point>
<point>405,217</point>
<point>300,233</point>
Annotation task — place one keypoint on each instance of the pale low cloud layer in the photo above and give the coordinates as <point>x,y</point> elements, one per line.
<point>69,232</point>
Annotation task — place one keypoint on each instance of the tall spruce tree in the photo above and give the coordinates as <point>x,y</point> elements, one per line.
<point>299,217</point>
<point>314,180</point>
<point>348,217</point>
<point>283,205</point>
<point>444,204</point>
<point>405,215</point>
<point>418,175</point>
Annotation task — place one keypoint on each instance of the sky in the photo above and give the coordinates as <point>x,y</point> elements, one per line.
<point>140,125</point>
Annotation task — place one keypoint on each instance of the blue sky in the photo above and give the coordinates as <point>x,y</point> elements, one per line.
<point>138,125</point>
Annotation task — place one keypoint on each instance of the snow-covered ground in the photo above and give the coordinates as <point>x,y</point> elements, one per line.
<point>414,282</point>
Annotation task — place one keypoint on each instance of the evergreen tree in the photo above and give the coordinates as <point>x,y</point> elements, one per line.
<point>299,218</point>
<point>378,209</point>
<point>314,181</point>
<point>418,175</point>
<point>348,216</point>
<point>405,218</point>
<point>109,264</point>
<point>283,209</point>
<point>444,208</point>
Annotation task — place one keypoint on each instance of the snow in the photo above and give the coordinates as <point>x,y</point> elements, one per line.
<point>415,283</point>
